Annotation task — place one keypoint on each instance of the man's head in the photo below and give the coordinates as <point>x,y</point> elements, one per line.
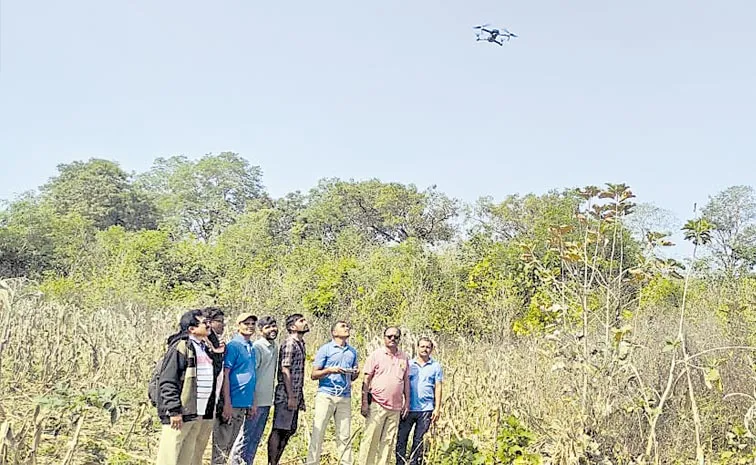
<point>217,320</point>
<point>424,347</point>
<point>297,323</point>
<point>268,327</point>
<point>246,324</point>
<point>340,329</point>
<point>391,337</point>
<point>193,322</point>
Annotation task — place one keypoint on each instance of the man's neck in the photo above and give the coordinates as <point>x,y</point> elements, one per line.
<point>297,335</point>
<point>422,359</point>
<point>339,341</point>
<point>246,337</point>
<point>393,350</point>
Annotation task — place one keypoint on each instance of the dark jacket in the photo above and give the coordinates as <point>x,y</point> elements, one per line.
<point>177,383</point>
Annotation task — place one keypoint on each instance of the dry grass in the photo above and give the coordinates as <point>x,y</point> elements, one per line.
<point>65,370</point>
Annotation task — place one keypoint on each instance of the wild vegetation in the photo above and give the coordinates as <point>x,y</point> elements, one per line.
<point>566,334</point>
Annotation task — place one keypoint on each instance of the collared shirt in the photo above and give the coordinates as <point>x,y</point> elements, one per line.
<point>240,360</point>
<point>291,355</point>
<point>388,371</point>
<point>423,379</point>
<point>266,358</point>
<point>331,354</point>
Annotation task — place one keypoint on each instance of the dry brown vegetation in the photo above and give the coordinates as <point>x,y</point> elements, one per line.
<point>75,389</point>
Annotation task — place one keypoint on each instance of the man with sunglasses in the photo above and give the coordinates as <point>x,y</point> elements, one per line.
<point>385,399</point>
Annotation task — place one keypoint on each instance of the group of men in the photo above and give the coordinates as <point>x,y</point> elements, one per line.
<point>207,387</point>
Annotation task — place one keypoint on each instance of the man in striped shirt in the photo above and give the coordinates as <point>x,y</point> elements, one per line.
<point>186,393</point>
<point>238,393</point>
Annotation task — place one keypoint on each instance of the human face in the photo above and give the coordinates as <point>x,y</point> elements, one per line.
<point>391,338</point>
<point>301,326</point>
<point>341,330</point>
<point>201,330</point>
<point>247,327</point>
<point>218,325</point>
<point>424,349</point>
<point>270,332</point>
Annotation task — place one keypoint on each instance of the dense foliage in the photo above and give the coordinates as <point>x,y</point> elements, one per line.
<point>567,295</point>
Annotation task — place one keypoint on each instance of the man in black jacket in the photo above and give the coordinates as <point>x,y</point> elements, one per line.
<point>187,392</point>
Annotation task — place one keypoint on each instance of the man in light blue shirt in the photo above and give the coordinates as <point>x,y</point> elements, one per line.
<point>426,377</point>
<point>335,367</point>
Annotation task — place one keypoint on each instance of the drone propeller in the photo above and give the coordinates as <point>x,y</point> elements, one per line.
<point>481,26</point>
<point>509,33</point>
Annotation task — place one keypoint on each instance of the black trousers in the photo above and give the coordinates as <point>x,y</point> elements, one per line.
<point>421,421</point>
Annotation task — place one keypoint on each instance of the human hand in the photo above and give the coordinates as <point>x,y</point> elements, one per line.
<point>228,411</point>
<point>176,422</point>
<point>292,404</point>
<point>252,412</point>
<point>434,416</point>
<point>405,411</point>
<point>364,409</point>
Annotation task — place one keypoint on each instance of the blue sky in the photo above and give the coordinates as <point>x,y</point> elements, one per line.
<point>656,94</point>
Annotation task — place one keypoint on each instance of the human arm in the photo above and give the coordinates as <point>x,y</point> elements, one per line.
<point>287,357</point>
<point>438,391</point>
<point>228,365</point>
<point>364,407</point>
<point>228,411</point>
<point>319,370</point>
<point>169,386</point>
<point>406,381</point>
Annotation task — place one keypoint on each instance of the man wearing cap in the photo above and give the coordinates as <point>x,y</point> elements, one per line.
<point>238,392</point>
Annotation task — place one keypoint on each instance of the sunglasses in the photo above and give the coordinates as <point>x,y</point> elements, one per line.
<point>395,337</point>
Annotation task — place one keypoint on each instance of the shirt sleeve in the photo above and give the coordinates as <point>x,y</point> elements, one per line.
<point>258,355</point>
<point>287,354</point>
<point>439,374</point>
<point>320,359</point>
<point>229,361</point>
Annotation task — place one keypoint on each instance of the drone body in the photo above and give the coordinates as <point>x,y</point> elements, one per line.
<point>490,34</point>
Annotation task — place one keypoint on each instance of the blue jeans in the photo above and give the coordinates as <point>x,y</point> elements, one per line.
<point>249,437</point>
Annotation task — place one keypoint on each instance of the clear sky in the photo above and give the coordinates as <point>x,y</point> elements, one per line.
<point>657,94</point>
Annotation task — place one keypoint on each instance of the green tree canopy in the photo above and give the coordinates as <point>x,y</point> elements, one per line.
<point>101,192</point>
<point>205,196</point>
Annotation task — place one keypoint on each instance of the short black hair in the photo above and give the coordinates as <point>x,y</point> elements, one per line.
<point>291,319</point>
<point>213,313</point>
<point>426,339</point>
<point>190,319</point>
<point>265,321</point>
<point>333,326</point>
<point>398,330</point>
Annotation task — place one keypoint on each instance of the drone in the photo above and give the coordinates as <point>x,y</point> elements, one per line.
<point>489,34</point>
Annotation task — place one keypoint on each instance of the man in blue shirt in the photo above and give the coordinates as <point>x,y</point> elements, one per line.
<point>335,367</point>
<point>239,380</point>
<point>426,377</point>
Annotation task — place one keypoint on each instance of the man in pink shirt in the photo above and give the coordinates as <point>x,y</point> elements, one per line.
<point>385,399</point>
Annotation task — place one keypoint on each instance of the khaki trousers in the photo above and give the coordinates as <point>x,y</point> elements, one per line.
<point>225,434</point>
<point>379,438</point>
<point>340,409</point>
<point>185,446</point>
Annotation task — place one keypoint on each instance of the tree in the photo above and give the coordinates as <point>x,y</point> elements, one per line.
<point>204,196</point>
<point>383,212</point>
<point>733,242</point>
<point>101,192</point>
<point>34,238</point>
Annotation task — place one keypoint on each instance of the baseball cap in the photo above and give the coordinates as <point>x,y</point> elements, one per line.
<point>245,316</point>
